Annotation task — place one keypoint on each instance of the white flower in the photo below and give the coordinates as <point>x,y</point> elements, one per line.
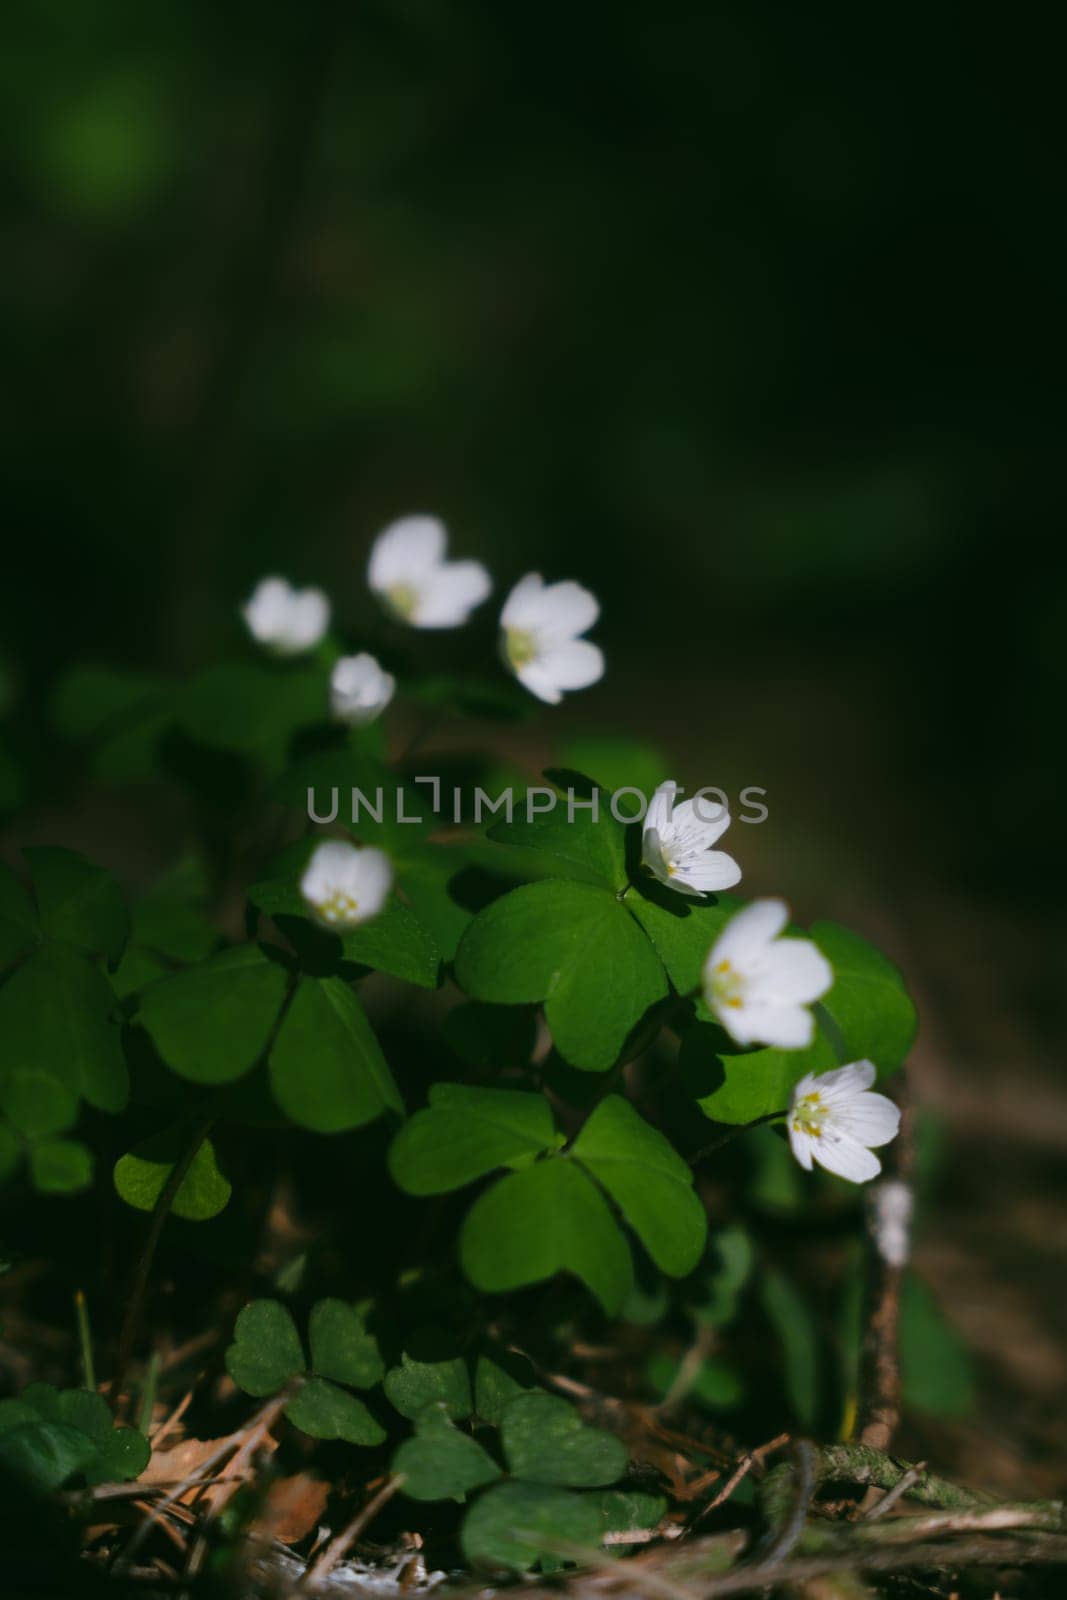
<point>359,690</point>
<point>408,572</point>
<point>345,885</point>
<point>677,840</point>
<point>285,620</point>
<point>834,1121</point>
<point>540,624</point>
<point>759,985</point>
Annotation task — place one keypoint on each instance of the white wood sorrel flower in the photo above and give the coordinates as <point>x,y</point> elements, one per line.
<point>285,620</point>
<point>759,985</point>
<point>345,885</point>
<point>677,840</point>
<point>834,1120</point>
<point>408,572</point>
<point>360,690</point>
<point>540,625</point>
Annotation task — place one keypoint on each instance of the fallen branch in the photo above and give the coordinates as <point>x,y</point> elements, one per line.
<point>339,1546</point>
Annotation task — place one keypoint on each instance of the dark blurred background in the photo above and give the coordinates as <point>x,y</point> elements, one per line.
<point>742,315</point>
<point>745,316</point>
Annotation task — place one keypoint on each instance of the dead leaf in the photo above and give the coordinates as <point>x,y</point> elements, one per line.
<point>174,1466</point>
<point>292,1508</point>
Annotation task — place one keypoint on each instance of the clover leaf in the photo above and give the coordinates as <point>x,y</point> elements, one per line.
<point>549,1218</point>
<point>252,708</point>
<point>211,1022</point>
<point>441,1462</point>
<point>341,1347</point>
<point>579,844</point>
<point>61,1166</point>
<point>738,1086</point>
<point>79,903</point>
<point>515,1525</point>
<point>395,941</point>
<point>649,1182</point>
<point>267,1353</point>
<point>497,1383</point>
<point>47,1435</point>
<point>546,1441</point>
<point>575,947</point>
<point>327,1070</point>
<point>681,931</point>
<point>467,1132</point>
<point>868,1004</point>
<point>142,1174</point>
<point>548,1451</point>
<point>549,1215</point>
<point>416,1384</point>
<point>59,1042</point>
<point>19,926</point>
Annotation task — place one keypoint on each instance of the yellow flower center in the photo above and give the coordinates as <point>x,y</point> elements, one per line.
<point>337,907</point>
<point>520,647</point>
<point>403,598</point>
<point>727,984</point>
<point>809,1115</point>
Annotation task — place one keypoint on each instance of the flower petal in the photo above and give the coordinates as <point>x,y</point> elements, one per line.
<point>374,879</point>
<point>652,855</point>
<point>803,1088</point>
<point>845,1157</point>
<point>333,865</point>
<point>522,605</point>
<point>749,931</point>
<point>802,1146</point>
<point>871,1118</point>
<point>563,610</point>
<point>534,677</point>
<point>406,550</point>
<point>574,664</point>
<point>793,972</point>
<point>309,619</point>
<point>658,816</point>
<point>844,1083</point>
<point>449,593</point>
<point>711,871</point>
<point>784,1027</point>
<point>701,821</point>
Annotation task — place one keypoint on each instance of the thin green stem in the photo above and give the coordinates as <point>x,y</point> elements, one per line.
<point>733,1133</point>
<point>85,1341</point>
<point>148,1392</point>
<point>131,1321</point>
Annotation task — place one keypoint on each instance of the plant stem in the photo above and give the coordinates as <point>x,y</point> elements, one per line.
<point>148,1393</point>
<point>733,1133</point>
<point>85,1341</point>
<point>135,1303</point>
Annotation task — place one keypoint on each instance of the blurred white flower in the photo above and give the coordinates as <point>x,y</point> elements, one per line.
<point>285,620</point>
<point>758,985</point>
<point>540,624</point>
<point>834,1120</point>
<point>359,690</point>
<point>677,840</point>
<point>345,885</point>
<point>408,572</point>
